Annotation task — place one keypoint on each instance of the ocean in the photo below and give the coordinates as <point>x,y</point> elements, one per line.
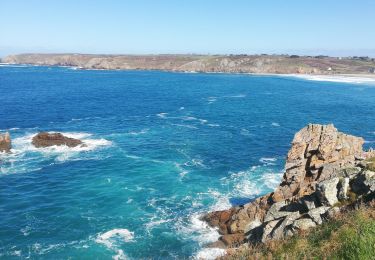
<point>162,149</point>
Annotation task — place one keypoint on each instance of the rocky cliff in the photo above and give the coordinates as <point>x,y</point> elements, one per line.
<point>279,64</point>
<point>325,169</point>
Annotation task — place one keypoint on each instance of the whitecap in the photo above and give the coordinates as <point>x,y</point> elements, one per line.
<point>272,179</point>
<point>110,237</point>
<point>275,124</point>
<point>236,96</point>
<point>211,100</point>
<point>268,160</point>
<point>245,132</point>
<point>210,253</point>
<point>120,255</point>
<point>24,154</point>
<point>162,115</point>
<point>141,132</point>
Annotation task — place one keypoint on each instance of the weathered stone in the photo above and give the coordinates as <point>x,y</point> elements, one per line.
<point>252,225</point>
<point>303,224</point>
<point>267,230</point>
<point>275,213</point>
<point>350,172</point>
<point>5,142</point>
<point>309,201</point>
<point>327,191</point>
<point>317,153</point>
<point>280,231</point>
<point>316,214</point>
<point>343,188</point>
<point>364,183</point>
<point>45,139</point>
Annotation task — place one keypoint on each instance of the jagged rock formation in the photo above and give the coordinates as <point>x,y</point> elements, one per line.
<point>45,139</point>
<point>324,168</point>
<point>5,142</point>
<point>279,64</point>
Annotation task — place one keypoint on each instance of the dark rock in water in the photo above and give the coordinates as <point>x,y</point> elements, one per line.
<point>5,142</point>
<point>45,139</point>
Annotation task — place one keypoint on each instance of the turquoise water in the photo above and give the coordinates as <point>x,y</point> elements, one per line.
<point>162,148</point>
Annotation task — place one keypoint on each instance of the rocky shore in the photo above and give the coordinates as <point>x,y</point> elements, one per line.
<point>273,64</point>
<point>325,171</point>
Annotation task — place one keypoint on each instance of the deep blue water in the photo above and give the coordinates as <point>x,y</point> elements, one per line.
<point>162,149</point>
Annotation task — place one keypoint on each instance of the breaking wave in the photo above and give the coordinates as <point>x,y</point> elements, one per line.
<point>25,157</point>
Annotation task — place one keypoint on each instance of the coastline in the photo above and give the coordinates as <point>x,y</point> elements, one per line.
<point>354,78</point>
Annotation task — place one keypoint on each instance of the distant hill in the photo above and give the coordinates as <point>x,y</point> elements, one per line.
<point>279,64</point>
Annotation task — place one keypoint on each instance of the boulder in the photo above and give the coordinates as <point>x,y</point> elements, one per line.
<point>327,191</point>
<point>5,142</point>
<point>45,139</point>
<point>364,183</point>
<point>303,224</point>
<point>316,214</point>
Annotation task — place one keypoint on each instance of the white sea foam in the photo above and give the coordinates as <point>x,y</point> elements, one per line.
<point>120,255</point>
<point>268,160</point>
<point>236,96</point>
<point>245,132</point>
<point>162,115</point>
<point>210,253</point>
<point>141,132</point>
<point>275,124</point>
<point>272,179</point>
<point>192,118</point>
<point>24,154</point>
<point>211,100</point>
<point>181,170</point>
<point>110,237</point>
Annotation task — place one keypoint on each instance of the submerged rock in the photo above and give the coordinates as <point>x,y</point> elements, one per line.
<point>45,139</point>
<point>5,142</point>
<point>324,168</point>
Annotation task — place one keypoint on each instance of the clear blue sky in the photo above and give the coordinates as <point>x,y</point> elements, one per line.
<point>336,27</point>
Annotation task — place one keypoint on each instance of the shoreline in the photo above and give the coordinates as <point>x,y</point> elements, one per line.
<point>354,78</point>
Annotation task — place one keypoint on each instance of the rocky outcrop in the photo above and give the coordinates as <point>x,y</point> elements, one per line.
<point>45,139</point>
<point>5,142</point>
<point>324,168</point>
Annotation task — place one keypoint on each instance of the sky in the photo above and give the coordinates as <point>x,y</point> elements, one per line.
<point>330,27</point>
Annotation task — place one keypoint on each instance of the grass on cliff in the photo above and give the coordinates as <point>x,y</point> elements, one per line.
<point>350,235</point>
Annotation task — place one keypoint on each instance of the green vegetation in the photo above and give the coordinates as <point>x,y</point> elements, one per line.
<point>350,235</point>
